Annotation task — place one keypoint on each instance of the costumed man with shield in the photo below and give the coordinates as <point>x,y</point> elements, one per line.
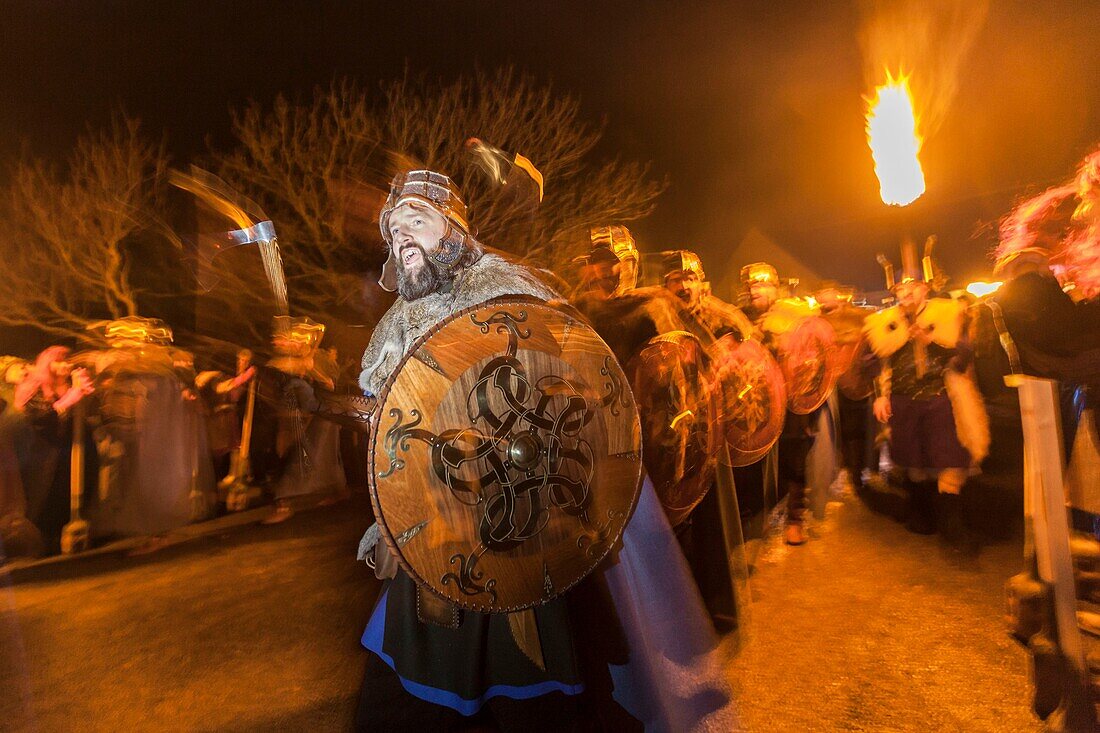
<point>626,316</point>
<point>704,506</point>
<point>803,344</point>
<point>925,393</point>
<point>855,384</point>
<point>504,465</point>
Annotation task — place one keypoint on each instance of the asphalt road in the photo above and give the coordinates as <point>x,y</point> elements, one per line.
<point>870,628</point>
<point>865,628</point>
<point>254,629</point>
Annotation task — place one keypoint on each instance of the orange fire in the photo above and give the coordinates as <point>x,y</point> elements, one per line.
<point>895,144</point>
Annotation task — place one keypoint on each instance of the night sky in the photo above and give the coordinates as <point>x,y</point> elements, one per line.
<point>753,110</point>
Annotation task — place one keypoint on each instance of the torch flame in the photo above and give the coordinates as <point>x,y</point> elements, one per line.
<point>892,135</point>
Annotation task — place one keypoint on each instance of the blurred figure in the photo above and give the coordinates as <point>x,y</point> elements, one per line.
<point>926,396</point>
<point>761,281</point>
<point>155,469</point>
<point>854,385</point>
<point>625,315</point>
<point>308,447</point>
<point>46,397</point>
<point>1052,336</point>
<point>220,395</point>
<point>18,536</point>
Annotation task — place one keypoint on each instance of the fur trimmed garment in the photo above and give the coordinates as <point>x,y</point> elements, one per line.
<point>491,276</point>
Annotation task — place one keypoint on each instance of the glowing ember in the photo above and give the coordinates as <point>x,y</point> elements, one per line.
<point>892,135</point>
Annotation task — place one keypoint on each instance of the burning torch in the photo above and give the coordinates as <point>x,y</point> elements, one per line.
<point>895,147</point>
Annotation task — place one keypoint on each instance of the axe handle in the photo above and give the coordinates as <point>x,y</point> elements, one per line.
<point>243,469</point>
<point>76,462</point>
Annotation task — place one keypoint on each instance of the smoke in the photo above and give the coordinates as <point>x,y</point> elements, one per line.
<point>928,39</point>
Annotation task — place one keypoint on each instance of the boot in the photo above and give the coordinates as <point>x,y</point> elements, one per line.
<point>950,519</point>
<point>922,506</point>
<point>794,534</point>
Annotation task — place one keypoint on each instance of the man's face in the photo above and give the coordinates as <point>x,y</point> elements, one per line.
<point>602,277</point>
<point>415,233</point>
<point>763,295</point>
<point>911,295</point>
<point>686,286</point>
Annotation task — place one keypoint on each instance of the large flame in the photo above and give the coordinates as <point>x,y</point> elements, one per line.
<point>895,144</point>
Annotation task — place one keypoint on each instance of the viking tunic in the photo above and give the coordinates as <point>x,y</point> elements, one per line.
<point>613,635</point>
<point>922,422</point>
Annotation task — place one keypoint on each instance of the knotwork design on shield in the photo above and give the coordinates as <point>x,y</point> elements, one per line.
<point>514,441</point>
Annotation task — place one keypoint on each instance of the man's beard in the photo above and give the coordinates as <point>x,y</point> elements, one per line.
<point>429,278</point>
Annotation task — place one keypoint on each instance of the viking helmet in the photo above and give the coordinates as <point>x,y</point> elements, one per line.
<point>616,238</point>
<point>440,193</point>
<point>619,242</point>
<point>759,272</point>
<point>133,330</point>
<point>682,260</point>
<point>927,271</point>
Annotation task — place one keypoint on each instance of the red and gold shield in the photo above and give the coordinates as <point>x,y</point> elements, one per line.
<point>750,395</point>
<point>808,357</point>
<point>669,376</point>
<point>505,458</point>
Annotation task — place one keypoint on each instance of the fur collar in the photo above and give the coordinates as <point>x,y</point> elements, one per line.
<point>491,276</point>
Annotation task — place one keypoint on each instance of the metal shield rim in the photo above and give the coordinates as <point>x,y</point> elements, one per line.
<point>383,393</point>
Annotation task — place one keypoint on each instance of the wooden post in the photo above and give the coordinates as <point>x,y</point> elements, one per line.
<point>1045,504</point>
<point>74,535</point>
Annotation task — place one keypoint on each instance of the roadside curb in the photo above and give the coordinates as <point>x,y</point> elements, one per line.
<point>30,570</point>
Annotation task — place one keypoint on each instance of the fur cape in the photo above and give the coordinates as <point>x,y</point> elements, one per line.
<point>491,276</point>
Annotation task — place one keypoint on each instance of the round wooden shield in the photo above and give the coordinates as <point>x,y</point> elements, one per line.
<point>669,376</point>
<point>506,457</point>
<point>808,359</point>
<point>751,397</point>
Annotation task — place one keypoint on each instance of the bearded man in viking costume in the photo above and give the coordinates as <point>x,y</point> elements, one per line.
<point>626,316</point>
<point>547,666</point>
<point>438,268</point>
<point>774,318</point>
<point>939,430</point>
<point>706,316</point>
